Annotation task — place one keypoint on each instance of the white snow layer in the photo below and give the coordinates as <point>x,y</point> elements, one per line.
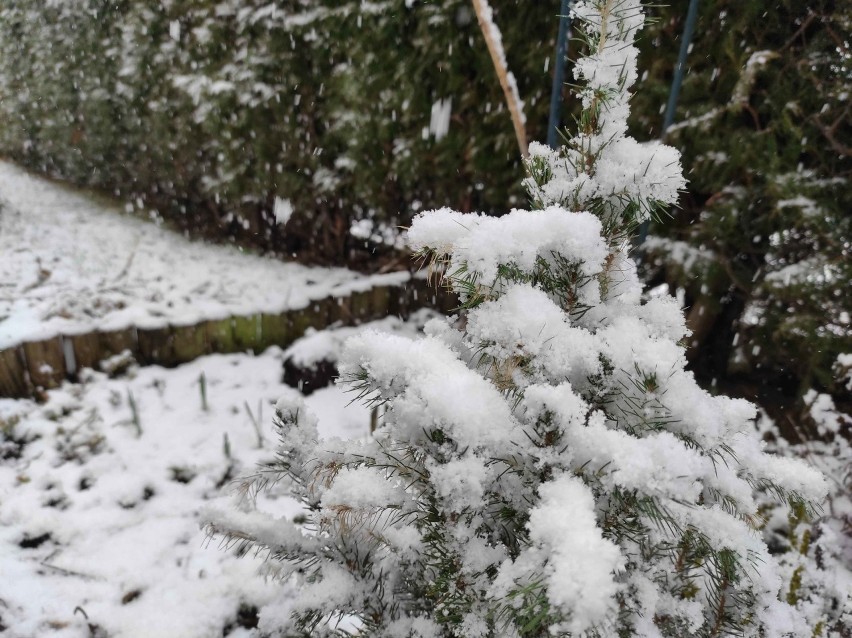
<point>483,243</point>
<point>581,563</point>
<point>69,265</point>
<point>118,507</point>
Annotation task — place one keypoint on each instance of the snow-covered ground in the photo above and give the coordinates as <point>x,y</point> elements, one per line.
<point>69,264</point>
<point>102,488</point>
<point>100,515</point>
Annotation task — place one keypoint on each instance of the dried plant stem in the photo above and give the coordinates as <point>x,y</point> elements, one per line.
<point>256,421</point>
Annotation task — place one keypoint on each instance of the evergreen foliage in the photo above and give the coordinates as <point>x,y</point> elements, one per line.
<point>815,554</point>
<point>546,466</point>
<point>210,110</point>
<point>762,243</point>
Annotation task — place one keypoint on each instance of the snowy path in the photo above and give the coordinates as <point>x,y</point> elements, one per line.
<point>69,265</point>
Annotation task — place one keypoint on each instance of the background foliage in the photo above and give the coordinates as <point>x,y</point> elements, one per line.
<point>206,111</point>
<point>761,246</point>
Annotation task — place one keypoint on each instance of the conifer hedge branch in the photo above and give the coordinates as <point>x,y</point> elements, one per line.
<point>210,112</point>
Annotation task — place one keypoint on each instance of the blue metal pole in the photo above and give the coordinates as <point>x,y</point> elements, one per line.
<point>677,81</point>
<point>559,74</point>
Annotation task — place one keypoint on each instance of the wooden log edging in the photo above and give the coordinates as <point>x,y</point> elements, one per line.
<point>30,368</point>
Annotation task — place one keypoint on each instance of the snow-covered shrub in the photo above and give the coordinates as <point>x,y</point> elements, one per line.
<point>546,465</point>
<point>815,554</point>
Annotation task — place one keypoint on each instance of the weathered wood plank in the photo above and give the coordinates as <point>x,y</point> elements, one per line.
<point>189,343</point>
<point>275,329</point>
<point>156,346</point>
<point>340,311</point>
<point>397,302</point>
<point>323,311</point>
<point>13,374</point>
<point>88,351</point>
<point>114,342</point>
<point>415,294</point>
<point>45,362</point>
<point>360,305</point>
<point>220,335</point>
<point>248,332</point>
<point>380,302</point>
<point>298,321</point>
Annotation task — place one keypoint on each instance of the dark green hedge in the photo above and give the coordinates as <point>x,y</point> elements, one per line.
<point>765,128</point>
<point>208,110</point>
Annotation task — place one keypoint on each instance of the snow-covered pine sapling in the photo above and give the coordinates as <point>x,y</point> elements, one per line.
<point>549,467</point>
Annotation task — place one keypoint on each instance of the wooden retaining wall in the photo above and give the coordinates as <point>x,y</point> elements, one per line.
<point>30,368</point>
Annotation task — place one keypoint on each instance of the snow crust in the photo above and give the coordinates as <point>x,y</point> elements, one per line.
<point>71,264</point>
<point>122,509</point>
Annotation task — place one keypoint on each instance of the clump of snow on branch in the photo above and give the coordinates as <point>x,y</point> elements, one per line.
<point>568,549</point>
<point>600,161</point>
<point>520,237</point>
<point>545,464</point>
